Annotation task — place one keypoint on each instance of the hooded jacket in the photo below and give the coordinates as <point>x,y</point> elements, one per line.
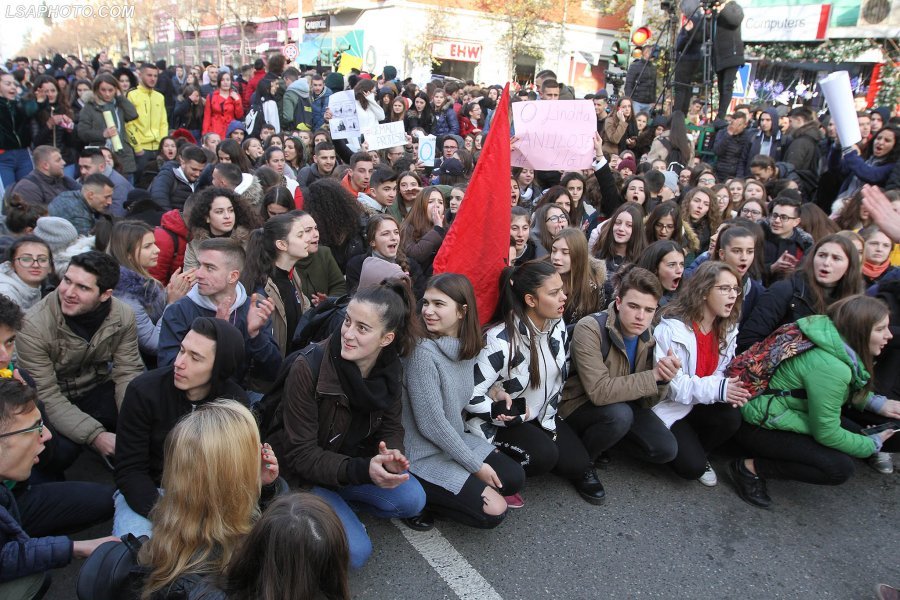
<point>171,188</point>
<point>831,374</point>
<point>445,122</point>
<point>91,126</point>
<point>65,367</point>
<point>12,286</point>
<point>263,355</point>
<point>152,123</point>
<point>171,239</point>
<point>220,112</point>
<point>151,408</point>
<point>22,555</point>
<point>803,154</point>
<point>687,389</point>
<point>296,108</point>
<point>601,381</point>
<point>147,298</point>
<point>796,245</point>
<point>775,141</point>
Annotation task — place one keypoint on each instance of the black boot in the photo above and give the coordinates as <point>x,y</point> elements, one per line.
<point>590,488</point>
<point>423,521</point>
<point>751,488</point>
<point>602,461</point>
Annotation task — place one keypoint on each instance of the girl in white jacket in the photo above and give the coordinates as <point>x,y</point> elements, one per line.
<point>368,111</point>
<point>701,405</point>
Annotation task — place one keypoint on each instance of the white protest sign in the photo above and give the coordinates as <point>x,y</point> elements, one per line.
<point>344,122</point>
<point>554,135</point>
<point>839,96</point>
<point>427,149</point>
<point>386,135</point>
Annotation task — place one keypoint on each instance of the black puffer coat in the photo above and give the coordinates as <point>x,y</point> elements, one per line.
<point>728,47</point>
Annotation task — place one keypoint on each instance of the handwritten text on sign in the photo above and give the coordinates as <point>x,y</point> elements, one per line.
<point>554,135</point>
<point>386,135</point>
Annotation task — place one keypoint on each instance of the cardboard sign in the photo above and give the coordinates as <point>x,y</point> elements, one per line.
<point>344,122</point>
<point>386,135</point>
<point>554,135</point>
<point>427,149</point>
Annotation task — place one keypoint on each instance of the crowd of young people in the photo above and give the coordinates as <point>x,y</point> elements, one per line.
<point>187,303</point>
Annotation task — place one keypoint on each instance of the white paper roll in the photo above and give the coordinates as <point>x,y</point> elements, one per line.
<point>839,96</point>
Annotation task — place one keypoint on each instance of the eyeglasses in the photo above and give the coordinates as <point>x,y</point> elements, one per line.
<point>727,290</point>
<point>707,180</point>
<point>781,217</point>
<point>39,427</point>
<point>27,261</point>
<point>664,227</point>
<point>558,219</point>
<point>751,212</point>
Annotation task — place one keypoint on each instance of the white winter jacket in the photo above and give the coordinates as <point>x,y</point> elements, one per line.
<point>686,389</point>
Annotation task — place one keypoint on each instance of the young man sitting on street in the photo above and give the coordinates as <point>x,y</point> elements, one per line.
<point>616,381</point>
<point>210,353</point>
<point>80,346</point>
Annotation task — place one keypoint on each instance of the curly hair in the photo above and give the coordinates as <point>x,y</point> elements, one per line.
<point>336,211</point>
<point>244,216</point>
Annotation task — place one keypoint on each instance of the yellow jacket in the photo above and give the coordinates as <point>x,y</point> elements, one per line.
<point>152,124</point>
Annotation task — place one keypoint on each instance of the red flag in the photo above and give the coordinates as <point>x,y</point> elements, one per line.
<point>477,244</point>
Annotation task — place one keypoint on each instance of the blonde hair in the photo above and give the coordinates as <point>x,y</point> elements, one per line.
<point>212,485</point>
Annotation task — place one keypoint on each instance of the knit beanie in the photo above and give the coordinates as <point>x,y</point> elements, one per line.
<point>628,163</point>
<point>375,270</point>
<point>390,73</point>
<point>334,82</point>
<point>671,181</point>
<point>57,232</point>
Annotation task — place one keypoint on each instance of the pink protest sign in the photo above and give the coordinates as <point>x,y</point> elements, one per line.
<point>554,135</point>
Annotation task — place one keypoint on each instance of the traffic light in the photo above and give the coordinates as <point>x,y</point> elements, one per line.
<point>640,36</point>
<point>619,51</point>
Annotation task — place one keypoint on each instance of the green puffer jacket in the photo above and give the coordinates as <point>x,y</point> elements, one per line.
<point>830,374</point>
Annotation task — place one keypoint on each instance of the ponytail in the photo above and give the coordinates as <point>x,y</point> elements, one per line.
<point>261,251</point>
<point>515,283</point>
<point>396,303</point>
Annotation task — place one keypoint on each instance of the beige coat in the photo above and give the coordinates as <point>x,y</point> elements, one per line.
<point>608,381</point>
<point>65,367</point>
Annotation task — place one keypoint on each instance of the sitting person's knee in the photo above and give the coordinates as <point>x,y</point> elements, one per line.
<point>494,504</point>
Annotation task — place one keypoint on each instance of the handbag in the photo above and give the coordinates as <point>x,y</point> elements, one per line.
<point>108,571</point>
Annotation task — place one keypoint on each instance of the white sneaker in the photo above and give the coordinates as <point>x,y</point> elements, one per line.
<point>709,478</point>
<point>882,462</point>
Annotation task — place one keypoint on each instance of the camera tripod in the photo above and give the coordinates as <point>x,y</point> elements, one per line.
<point>705,25</point>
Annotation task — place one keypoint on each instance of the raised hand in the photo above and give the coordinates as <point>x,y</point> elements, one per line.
<point>260,310</point>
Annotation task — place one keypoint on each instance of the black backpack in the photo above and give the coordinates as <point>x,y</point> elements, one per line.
<point>111,571</point>
<point>268,411</point>
<point>319,322</point>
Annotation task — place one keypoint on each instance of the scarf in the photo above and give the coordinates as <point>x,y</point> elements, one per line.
<point>87,324</point>
<point>375,392</point>
<point>872,271</point>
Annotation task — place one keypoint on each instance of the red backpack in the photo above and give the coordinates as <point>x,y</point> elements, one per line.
<point>756,365</point>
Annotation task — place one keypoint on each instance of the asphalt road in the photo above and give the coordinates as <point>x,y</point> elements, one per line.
<point>656,537</point>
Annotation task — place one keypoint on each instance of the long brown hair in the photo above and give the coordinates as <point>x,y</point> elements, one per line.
<point>688,307</point>
<point>849,284</point>
<point>584,293</point>
<point>712,216</point>
<point>417,223</point>
<point>604,247</point>
<point>375,222</point>
<point>854,317</point>
<point>459,289</point>
<point>125,244</point>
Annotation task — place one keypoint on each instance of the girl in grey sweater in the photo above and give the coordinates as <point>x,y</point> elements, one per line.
<point>464,476</point>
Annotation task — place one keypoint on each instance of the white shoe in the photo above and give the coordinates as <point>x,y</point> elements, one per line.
<point>882,462</point>
<point>709,478</point>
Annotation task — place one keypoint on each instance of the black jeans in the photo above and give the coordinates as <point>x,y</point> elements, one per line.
<point>466,506</point>
<point>725,79</point>
<point>706,427</point>
<point>60,452</point>
<point>63,508</point>
<point>538,453</point>
<point>683,84</point>
<point>641,432</point>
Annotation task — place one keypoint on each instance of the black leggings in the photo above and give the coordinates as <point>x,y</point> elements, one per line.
<point>706,427</point>
<point>466,506</point>
<point>641,432</point>
<point>536,450</point>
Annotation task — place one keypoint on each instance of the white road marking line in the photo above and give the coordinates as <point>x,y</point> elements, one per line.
<point>453,568</point>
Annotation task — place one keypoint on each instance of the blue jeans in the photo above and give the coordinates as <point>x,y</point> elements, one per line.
<point>641,107</point>
<point>404,501</point>
<point>126,520</point>
<point>14,165</point>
